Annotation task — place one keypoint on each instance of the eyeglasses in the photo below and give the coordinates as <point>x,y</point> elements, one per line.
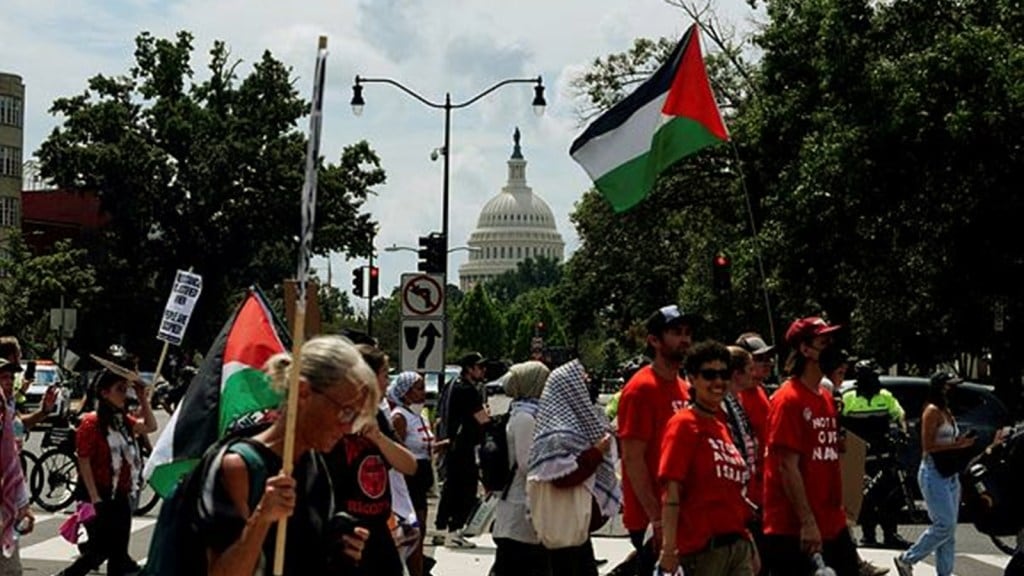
<point>348,411</point>
<point>711,374</point>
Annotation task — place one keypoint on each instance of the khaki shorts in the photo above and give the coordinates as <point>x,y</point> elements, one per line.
<point>731,560</point>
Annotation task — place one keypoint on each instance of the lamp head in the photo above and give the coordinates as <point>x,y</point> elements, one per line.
<point>538,98</point>
<point>357,98</point>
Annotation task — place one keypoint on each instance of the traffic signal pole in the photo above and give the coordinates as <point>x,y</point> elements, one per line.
<point>369,297</point>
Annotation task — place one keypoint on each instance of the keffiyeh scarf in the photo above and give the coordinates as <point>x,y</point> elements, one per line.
<point>401,386</point>
<point>567,425</point>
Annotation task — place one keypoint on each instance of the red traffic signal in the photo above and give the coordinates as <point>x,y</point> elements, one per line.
<point>721,275</point>
<point>374,282</point>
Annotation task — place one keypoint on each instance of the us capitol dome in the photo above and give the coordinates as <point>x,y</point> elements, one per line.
<point>513,226</point>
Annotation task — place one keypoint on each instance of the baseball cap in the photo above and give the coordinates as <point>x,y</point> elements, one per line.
<point>755,345</point>
<point>805,329</point>
<point>471,359</point>
<point>945,377</point>
<point>8,366</point>
<point>670,315</point>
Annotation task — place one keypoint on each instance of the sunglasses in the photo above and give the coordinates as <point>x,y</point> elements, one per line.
<point>711,374</point>
<point>348,411</point>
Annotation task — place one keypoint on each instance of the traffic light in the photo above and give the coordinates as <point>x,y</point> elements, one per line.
<point>540,329</point>
<point>433,254</point>
<point>374,282</point>
<point>721,274</point>
<point>358,275</point>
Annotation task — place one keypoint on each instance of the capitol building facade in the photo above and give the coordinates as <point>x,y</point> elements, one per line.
<point>513,226</point>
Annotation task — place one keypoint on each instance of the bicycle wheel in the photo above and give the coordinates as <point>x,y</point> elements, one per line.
<point>28,463</point>
<point>147,500</point>
<point>54,480</point>
<point>1003,546</point>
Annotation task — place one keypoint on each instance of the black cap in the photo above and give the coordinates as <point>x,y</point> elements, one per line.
<point>668,316</point>
<point>943,377</point>
<point>472,359</point>
<point>755,345</point>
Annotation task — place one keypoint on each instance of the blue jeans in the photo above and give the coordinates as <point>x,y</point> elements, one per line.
<point>942,496</point>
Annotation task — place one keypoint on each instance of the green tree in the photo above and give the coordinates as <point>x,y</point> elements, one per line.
<point>33,284</point>
<point>199,173</point>
<point>478,325</point>
<point>528,275</point>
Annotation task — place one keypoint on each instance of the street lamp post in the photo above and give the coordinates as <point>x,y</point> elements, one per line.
<point>357,108</point>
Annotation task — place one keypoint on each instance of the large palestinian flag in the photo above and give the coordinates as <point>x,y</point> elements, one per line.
<point>230,387</point>
<point>671,115</point>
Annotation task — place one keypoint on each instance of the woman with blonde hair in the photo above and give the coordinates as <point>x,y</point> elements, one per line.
<point>337,393</point>
<point>519,551</point>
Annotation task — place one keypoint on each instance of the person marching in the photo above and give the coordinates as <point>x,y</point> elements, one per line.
<point>939,433</point>
<point>110,468</point>
<point>705,511</point>
<point>649,399</point>
<point>803,504</point>
<point>406,395</point>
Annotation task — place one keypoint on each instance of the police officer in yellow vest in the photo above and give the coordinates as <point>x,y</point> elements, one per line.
<point>874,412</point>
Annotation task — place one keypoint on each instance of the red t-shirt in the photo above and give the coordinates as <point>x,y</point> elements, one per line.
<point>698,453</point>
<point>755,404</point>
<point>91,443</point>
<point>804,422</point>
<point>646,404</point>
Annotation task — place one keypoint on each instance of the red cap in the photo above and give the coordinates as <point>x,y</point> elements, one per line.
<point>805,329</point>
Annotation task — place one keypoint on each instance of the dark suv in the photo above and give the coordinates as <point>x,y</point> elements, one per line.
<point>975,407</point>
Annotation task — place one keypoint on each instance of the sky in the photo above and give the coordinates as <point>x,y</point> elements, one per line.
<point>457,46</point>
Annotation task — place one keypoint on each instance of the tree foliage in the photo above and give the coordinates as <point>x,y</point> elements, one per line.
<point>31,285</point>
<point>478,325</point>
<point>879,147</point>
<point>204,174</point>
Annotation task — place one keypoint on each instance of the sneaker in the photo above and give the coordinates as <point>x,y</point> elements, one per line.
<point>438,540</point>
<point>903,567</point>
<point>865,568</point>
<point>868,542</point>
<point>457,540</point>
<point>895,542</point>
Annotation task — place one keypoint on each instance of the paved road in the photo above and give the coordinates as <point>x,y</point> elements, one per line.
<point>45,552</point>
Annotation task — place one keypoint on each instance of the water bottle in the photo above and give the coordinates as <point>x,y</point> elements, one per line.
<point>821,569</point>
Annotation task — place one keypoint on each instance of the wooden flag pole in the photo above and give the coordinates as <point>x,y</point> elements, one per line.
<point>298,336</point>
<point>308,209</point>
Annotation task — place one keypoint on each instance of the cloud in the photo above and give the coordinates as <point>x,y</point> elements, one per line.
<point>456,46</point>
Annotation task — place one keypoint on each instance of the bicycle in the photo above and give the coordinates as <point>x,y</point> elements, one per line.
<point>54,479</point>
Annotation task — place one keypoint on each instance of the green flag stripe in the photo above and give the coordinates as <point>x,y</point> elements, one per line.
<point>631,182</point>
<point>165,476</point>
<point>246,390</point>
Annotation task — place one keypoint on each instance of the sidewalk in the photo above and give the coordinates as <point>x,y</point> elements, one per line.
<point>477,561</point>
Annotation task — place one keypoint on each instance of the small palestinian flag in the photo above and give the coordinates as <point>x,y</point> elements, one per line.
<point>671,115</point>
<point>229,390</point>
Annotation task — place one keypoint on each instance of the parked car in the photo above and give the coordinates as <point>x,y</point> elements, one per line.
<point>430,380</point>
<point>47,374</point>
<point>975,407</point>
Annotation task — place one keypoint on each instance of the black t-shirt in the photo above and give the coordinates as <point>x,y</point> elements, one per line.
<point>360,475</point>
<point>309,549</point>
<point>462,426</point>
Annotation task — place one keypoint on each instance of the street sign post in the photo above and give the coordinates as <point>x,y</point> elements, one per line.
<point>422,331</point>
<point>422,345</point>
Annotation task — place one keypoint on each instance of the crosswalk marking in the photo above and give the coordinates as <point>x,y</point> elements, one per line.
<point>60,550</point>
<point>993,564</point>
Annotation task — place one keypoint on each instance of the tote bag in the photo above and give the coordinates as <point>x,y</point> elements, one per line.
<point>560,516</point>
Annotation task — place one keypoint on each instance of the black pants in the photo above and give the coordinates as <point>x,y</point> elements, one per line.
<point>458,493</point>
<point>1016,565</point>
<point>880,507</point>
<point>109,533</point>
<point>783,557</point>
<point>575,561</point>
<point>515,558</point>
<point>645,556</point>
<point>380,554</point>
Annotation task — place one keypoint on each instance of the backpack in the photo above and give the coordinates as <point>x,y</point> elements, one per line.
<point>495,473</point>
<point>177,546</point>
